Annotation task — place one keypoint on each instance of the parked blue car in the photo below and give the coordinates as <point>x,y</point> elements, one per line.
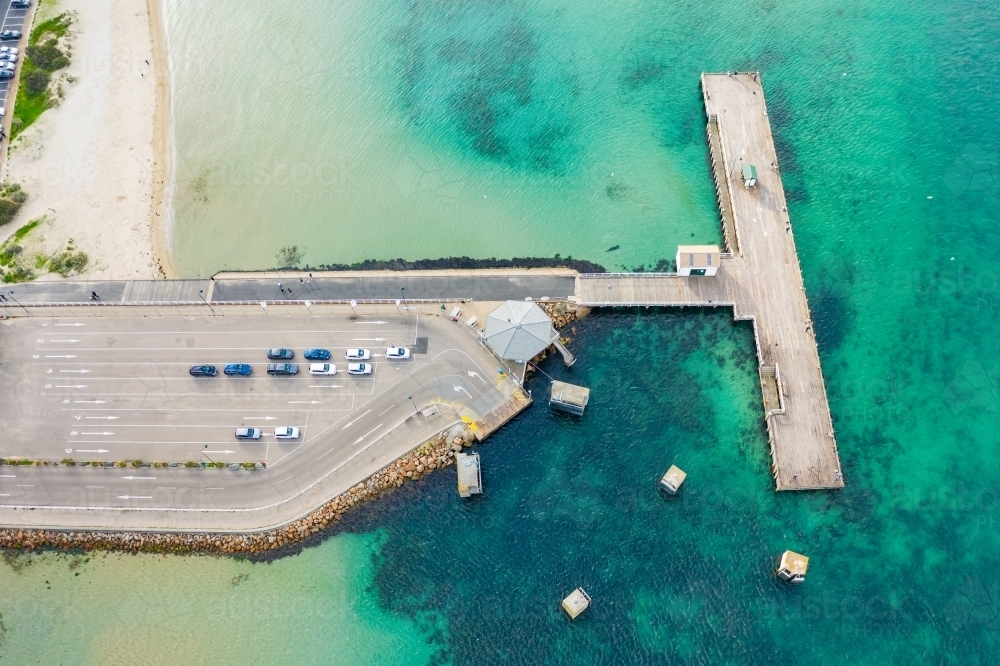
<point>317,354</point>
<point>203,371</point>
<point>243,369</point>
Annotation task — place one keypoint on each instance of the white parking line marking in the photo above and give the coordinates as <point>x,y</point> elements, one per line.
<point>139,478</point>
<point>214,488</point>
<point>393,407</point>
<point>285,479</point>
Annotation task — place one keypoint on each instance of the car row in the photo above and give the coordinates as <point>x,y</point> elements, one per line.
<point>282,432</point>
<point>317,354</point>
<point>280,369</point>
<point>243,369</point>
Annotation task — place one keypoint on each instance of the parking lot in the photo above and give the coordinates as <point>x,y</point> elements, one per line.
<point>13,19</point>
<point>118,388</point>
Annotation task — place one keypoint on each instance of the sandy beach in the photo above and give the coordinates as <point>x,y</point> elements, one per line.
<point>96,167</point>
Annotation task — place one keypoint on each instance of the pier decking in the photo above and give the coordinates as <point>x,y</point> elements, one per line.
<point>760,279</point>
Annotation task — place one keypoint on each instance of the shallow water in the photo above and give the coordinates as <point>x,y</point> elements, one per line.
<point>903,289</point>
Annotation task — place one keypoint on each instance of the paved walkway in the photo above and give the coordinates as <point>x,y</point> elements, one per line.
<point>384,286</point>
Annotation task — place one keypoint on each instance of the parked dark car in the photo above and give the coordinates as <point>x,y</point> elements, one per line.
<point>20,4</point>
<point>203,371</point>
<point>282,369</point>
<point>10,34</point>
<point>317,354</point>
<point>243,369</point>
<point>280,354</point>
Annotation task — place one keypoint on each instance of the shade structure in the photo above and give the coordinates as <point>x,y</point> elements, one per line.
<point>518,330</point>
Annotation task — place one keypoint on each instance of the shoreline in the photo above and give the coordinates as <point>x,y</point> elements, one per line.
<point>162,142</point>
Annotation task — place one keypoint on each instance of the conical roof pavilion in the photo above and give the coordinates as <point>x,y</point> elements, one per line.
<point>518,330</point>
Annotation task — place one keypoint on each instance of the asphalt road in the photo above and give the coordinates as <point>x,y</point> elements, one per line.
<point>387,288</point>
<point>114,389</point>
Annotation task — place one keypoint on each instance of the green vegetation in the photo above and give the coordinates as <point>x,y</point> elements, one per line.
<point>289,256</point>
<point>43,57</point>
<point>17,266</point>
<point>12,197</point>
<point>68,261</point>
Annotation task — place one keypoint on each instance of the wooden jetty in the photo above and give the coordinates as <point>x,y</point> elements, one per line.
<point>569,397</point>
<point>760,280</point>
<point>470,475</point>
<point>577,602</point>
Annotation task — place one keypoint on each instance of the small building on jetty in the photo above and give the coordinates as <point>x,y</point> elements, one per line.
<point>696,260</point>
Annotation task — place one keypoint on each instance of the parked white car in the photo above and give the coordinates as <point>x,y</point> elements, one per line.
<point>9,49</point>
<point>359,368</point>
<point>324,369</point>
<point>397,353</point>
<point>8,57</point>
<point>358,354</point>
<point>286,432</point>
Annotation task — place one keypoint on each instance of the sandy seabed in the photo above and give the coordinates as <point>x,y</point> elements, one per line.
<point>96,166</point>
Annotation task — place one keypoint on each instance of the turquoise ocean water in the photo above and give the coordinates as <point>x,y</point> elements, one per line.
<point>885,117</point>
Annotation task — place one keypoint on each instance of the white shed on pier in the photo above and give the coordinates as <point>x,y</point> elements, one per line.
<point>696,260</point>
